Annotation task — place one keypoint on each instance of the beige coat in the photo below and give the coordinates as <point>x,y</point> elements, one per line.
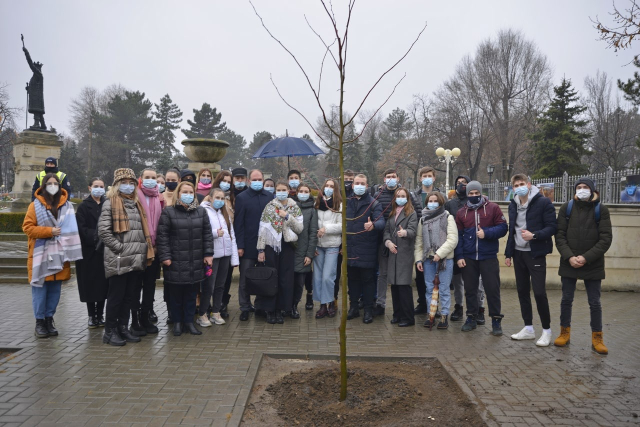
<point>447,249</point>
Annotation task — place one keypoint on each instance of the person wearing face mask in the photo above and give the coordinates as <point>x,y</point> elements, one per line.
<point>400,239</point>
<point>385,197</point>
<point>305,249</point>
<point>584,236</point>
<point>172,179</point>
<point>280,224</point>
<point>294,181</point>
<point>50,166</point>
<point>223,181</point>
<point>190,176</point>
<point>532,225</point>
<point>481,224</point>
<point>239,176</point>
<point>270,186</point>
<point>205,179</point>
<point>54,241</point>
<point>185,247</point>
<point>92,283</point>
<point>249,207</point>
<point>161,183</point>
<point>362,248</point>
<point>435,246</point>
<point>347,179</point>
<point>128,250</point>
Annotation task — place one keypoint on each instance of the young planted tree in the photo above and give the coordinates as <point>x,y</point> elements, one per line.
<point>337,49</point>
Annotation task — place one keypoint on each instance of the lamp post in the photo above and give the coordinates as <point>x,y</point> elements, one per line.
<point>490,170</point>
<point>447,157</point>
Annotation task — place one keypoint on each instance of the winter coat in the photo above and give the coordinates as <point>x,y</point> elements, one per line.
<point>400,265</point>
<point>332,223</point>
<point>124,252</point>
<point>185,238</point>
<point>384,196</point>
<point>455,204</point>
<point>308,238</point>
<point>541,221</point>
<point>249,207</point>
<point>582,236</point>
<point>92,282</point>
<point>362,248</point>
<point>224,245</point>
<point>490,218</point>
<point>447,250</point>
<point>34,231</point>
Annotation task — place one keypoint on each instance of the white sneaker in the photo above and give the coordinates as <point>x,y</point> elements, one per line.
<point>524,334</point>
<point>545,340</point>
<point>217,319</point>
<point>203,321</point>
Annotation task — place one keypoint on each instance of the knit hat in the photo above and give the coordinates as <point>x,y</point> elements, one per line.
<point>185,173</point>
<point>51,160</point>
<point>123,173</point>
<point>474,185</point>
<point>587,181</point>
<point>462,176</point>
<point>239,172</point>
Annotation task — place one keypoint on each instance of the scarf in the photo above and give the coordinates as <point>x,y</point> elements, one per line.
<point>121,221</point>
<point>398,210</point>
<point>49,255</point>
<point>326,204</point>
<point>190,207</point>
<point>272,226</point>
<point>153,208</point>
<point>477,205</point>
<point>204,188</point>
<point>434,231</point>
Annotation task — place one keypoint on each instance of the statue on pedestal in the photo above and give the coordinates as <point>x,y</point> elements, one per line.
<point>35,92</point>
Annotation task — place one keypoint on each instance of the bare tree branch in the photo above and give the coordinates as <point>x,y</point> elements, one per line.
<point>323,42</point>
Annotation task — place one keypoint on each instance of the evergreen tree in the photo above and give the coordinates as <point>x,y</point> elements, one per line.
<point>205,124</point>
<point>398,124</point>
<point>71,164</point>
<point>168,117</point>
<point>559,144</point>
<point>237,153</point>
<point>266,165</point>
<point>631,88</point>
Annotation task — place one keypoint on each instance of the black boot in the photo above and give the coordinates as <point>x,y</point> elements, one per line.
<point>191,328</point>
<point>279,317</point>
<point>100,320</point>
<point>378,310</point>
<point>112,337</point>
<point>169,319</point>
<point>153,317</point>
<point>177,329</point>
<point>295,314</point>
<point>470,323</point>
<point>309,304</point>
<point>368,315</point>
<point>136,327</point>
<point>443,324</point>
<point>353,312</point>
<point>271,318</point>
<point>457,314</point>
<point>93,322</point>
<point>126,335</point>
<point>496,324</point>
<point>421,309</point>
<point>480,317</point>
<point>41,329</point>
<point>145,322</point>
<point>224,313</point>
<point>51,327</point>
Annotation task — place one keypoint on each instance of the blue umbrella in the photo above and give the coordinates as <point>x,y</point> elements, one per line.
<point>288,146</point>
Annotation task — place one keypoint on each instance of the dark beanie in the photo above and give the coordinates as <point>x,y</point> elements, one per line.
<point>51,160</point>
<point>587,181</point>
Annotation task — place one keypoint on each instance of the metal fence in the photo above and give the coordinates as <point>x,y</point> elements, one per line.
<point>609,184</point>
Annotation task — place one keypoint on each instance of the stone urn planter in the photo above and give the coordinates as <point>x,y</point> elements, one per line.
<point>204,153</point>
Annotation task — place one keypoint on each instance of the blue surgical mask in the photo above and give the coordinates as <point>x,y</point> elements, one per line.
<point>521,191</point>
<point>359,189</point>
<point>225,186</point>
<point>401,201</point>
<point>303,197</point>
<point>217,204</point>
<point>281,195</point>
<point>97,192</point>
<point>149,183</point>
<point>187,199</point>
<point>256,185</point>
<point>239,185</point>
<point>294,183</point>
<point>432,206</point>
<point>328,191</point>
<point>391,182</point>
<point>205,181</point>
<point>270,189</point>
<point>427,182</point>
<point>161,188</point>
<point>127,188</point>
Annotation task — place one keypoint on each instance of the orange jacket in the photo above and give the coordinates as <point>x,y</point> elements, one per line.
<point>34,231</point>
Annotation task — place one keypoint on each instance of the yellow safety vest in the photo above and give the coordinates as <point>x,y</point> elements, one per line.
<point>42,174</point>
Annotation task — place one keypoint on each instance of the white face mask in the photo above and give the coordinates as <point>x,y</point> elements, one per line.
<point>52,189</point>
<point>583,193</point>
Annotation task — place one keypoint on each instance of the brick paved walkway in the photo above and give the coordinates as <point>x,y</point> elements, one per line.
<point>74,379</point>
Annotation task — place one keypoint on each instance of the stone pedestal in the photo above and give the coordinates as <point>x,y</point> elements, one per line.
<point>30,152</point>
<point>213,167</point>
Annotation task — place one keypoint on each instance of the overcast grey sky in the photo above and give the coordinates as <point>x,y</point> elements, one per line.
<point>217,51</point>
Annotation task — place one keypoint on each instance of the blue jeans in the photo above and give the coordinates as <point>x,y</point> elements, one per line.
<point>445,280</point>
<point>325,265</point>
<point>45,299</point>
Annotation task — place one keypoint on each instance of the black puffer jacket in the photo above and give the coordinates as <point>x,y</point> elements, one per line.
<point>185,238</point>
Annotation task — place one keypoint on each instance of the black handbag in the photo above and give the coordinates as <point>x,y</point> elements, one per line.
<point>262,281</point>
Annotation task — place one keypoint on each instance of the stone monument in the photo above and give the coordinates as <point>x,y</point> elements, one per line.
<point>204,153</point>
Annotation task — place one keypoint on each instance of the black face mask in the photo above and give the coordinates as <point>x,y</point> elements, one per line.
<point>475,199</point>
<point>171,186</point>
<point>49,169</point>
<point>461,189</point>
<point>348,184</point>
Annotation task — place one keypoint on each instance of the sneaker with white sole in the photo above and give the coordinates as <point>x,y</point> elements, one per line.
<point>524,334</point>
<point>217,319</point>
<point>203,321</point>
<point>545,340</point>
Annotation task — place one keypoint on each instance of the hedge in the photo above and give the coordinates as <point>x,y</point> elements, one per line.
<point>12,222</point>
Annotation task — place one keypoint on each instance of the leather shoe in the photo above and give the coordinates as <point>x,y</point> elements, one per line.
<point>295,314</point>
<point>177,329</point>
<point>224,313</point>
<point>394,320</point>
<point>331,309</point>
<point>322,312</point>
<point>244,316</point>
<point>127,335</point>
<point>112,337</point>
<point>153,317</point>
<point>51,327</point>
<point>271,318</point>
<point>353,313</point>
<point>279,317</point>
<point>191,328</point>
<point>252,309</point>
<point>368,316</point>
<point>405,323</point>
<point>378,310</point>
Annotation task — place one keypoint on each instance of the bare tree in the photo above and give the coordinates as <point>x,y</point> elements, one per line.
<point>625,28</point>
<point>8,126</point>
<point>337,50</point>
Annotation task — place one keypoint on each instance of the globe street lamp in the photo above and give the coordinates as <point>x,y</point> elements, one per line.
<point>447,157</point>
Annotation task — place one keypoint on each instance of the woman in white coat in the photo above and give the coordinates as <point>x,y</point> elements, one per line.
<point>325,263</point>
<point>225,256</point>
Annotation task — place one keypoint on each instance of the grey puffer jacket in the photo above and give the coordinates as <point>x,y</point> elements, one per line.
<point>125,252</point>
<point>308,239</point>
<point>185,238</point>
